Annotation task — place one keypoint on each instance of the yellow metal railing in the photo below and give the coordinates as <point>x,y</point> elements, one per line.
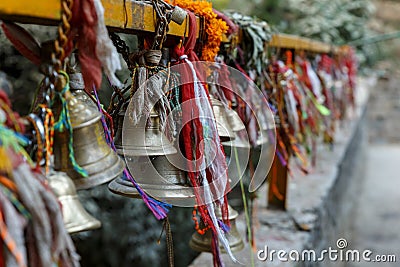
<point>134,16</point>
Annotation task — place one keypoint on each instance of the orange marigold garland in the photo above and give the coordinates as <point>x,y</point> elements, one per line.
<point>215,28</point>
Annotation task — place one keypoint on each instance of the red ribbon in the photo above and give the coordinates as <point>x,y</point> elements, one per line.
<point>83,31</point>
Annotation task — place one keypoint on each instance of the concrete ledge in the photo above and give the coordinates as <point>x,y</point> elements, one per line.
<point>319,204</point>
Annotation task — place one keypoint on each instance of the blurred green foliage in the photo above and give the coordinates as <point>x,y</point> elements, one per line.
<point>332,21</point>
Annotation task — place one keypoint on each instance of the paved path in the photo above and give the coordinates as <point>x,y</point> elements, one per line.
<point>377,216</point>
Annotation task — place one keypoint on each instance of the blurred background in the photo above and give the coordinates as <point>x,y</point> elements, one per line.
<point>129,234</point>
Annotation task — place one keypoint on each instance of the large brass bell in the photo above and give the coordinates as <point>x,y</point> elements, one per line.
<point>165,182</point>
<point>91,151</point>
<point>140,140</point>
<point>224,129</point>
<point>76,218</point>
<point>202,243</point>
<point>169,172</point>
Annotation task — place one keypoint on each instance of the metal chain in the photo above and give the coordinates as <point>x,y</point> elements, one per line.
<point>49,82</point>
<point>121,46</point>
<point>164,14</point>
<point>164,17</point>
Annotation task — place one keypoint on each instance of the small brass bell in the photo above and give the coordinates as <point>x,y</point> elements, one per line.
<point>202,243</point>
<point>91,151</point>
<point>267,125</point>
<point>76,218</point>
<point>262,142</point>
<point>234,121</point>
<point>237,125</point>
<point>262,138</point>
<point>237,151</point>
<point>139,141</point>
<point>164,182</point>
<point>224,129</point>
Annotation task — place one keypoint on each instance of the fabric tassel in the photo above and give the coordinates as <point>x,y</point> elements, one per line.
<point>105,50</point>
<point>140,103</point>
<point>215,251</point>
<point>84,23</point>
<point>201,126</point>
<point>5,163</point>
<point>11,141</point>
<point>16,203</point>
<point>149,90</point>
<point>12,236</point>
<point>219,233</point>
<point>51,242</point>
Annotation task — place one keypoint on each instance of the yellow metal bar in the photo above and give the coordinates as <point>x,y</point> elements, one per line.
<point>299,43</point>
<point>286,41</point>
<point>135,16</point>
<point>46,9</point>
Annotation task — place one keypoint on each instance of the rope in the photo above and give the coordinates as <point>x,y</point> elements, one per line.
<point>170,243</point>
<point>64,123</point>
<point>14,200</point>
<point>10,243</point>
<point>246,211</point>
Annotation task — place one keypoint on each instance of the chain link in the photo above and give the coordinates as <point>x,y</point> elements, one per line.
<point>121,46</point>
<point>164,15</point>
<point>49,82</point>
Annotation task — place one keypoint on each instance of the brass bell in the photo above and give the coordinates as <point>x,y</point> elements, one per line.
<point>263,153</point>
<point>240,144</point>
<point>237,142</point>
<point>234,121</point>
<point>142,140</point>
<point>266,126</point>
<point>202,243</point>
<point>91,151</point>
<point>76,218</point>
<point>224,129</point>
<point>169,172</point>
<point>164,182</point>
<point>264,141</point>
<point>237,126</point>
